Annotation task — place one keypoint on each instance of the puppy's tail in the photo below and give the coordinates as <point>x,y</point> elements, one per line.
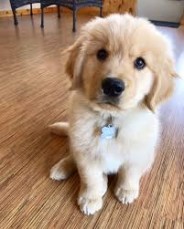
<point>59,128</point>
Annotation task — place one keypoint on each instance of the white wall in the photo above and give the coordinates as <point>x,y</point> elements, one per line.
<point>161,10</point>
<point>5,5</point>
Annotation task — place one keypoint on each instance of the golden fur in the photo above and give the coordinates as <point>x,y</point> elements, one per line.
<point>131,153</point>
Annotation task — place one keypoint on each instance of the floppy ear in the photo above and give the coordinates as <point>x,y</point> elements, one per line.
<point>163,84</point>
<point>75,62</point>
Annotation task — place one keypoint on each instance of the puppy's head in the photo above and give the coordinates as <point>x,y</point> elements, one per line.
<point>119,62</point>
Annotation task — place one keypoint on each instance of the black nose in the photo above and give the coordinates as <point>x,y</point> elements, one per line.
<point>113,87</point>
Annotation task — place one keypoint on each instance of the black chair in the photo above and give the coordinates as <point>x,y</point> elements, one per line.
<point>18,3</point>
<point>73,5</point>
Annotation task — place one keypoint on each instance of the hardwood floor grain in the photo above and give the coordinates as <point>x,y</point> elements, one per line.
<point>34,93</point>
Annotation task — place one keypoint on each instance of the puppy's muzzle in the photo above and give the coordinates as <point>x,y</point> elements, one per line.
<point>112,87</point>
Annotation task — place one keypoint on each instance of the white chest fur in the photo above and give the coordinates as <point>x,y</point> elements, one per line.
<point>135,142</point>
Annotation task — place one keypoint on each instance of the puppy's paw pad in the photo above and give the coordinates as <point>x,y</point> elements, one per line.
<point>56,173</point>
<point>90,206</point>
<point>126,196</point>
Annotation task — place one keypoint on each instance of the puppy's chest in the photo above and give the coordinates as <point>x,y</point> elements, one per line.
<point>105,131</point>
<point>103,140</point>
<point>96,133</point>
<point>102,133</point>
<point>108,145</point>
<point>105,137</point>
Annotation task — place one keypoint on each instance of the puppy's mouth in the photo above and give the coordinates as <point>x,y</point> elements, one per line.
<point>108,102</point>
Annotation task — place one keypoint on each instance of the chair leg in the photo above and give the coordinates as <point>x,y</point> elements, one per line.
<point>42,17</point>
<point>101,11</point>
<point>31,9</point>
<point>58,9</point>
<point>15,17</point>
<point>74,20</point>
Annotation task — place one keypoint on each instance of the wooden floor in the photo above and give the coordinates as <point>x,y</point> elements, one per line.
<point>33,94</point>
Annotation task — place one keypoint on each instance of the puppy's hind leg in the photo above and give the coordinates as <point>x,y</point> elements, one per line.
<point>63,169</point>
<point>59,128</point>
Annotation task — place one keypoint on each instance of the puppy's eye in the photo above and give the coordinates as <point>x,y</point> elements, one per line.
<point>102,54</point>
<point>139,63</point>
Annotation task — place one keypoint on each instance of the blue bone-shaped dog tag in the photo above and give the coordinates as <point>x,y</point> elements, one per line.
<point>108,132</point>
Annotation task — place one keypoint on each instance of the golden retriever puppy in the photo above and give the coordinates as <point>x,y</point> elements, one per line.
<point>121,69</point>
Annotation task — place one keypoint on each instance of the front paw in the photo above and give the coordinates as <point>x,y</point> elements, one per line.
<point>90,206</point>
<point>126,196</point>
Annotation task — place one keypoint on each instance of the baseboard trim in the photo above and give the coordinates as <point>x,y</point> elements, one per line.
<point>22,12</point>
<point>166,23</point>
